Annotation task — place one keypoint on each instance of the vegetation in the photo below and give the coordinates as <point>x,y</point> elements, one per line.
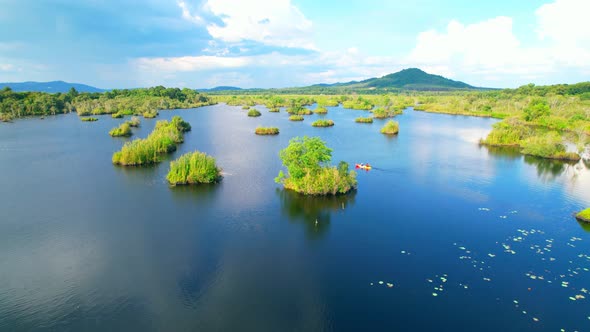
<point>6,117</point>
<point>193,168</point>
<point>364,120</point>
<point>254,112</point>
<point>390,128</point>
<point>548,145</point>
<point>274,109</point>
<point>321,110</point>
<point>150,114</point>
<point>296,118</point>
<point>161,140</point>
<point>117,115</point>
<point>323,123</point>
<point>123,130</point>
<point>88,119</point>
<point>584,215</point>
<point>134,122</point>
<point>308,171</point>
<point>267,131</point>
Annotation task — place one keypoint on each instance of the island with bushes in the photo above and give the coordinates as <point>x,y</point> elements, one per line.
<point>161,140</point>
<point>364,120</point>
<point>193,168</point>
<point>254,112</point>
<point>308,171</point>
<point>296,118</point>
<point>390,128</point>
<point>321,110</point>
<point>584,215</point>
<point>266,131</point>
<point>88,119</point>
<point>123,130</point>
<point>323,123</point>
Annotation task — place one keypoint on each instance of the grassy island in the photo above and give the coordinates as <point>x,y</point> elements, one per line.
<point>267,131</point>
<point>364,120</point>
<point>161,140</point>
<point>150,114</point>
<point>88,119</point>
<point>584,215</point>
<point>117,115</point>
<point>193,168</point>
<point>123,130</point>
<point>254,112</point>
<point>321,110</point>
<point>390,128</point>
<point>296,118</point>
<point>323,123</point>
<point>134,122</point>
<point>308,171</point>
<point>274,109</point>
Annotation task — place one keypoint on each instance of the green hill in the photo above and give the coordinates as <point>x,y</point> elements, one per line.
<point>412,79</point>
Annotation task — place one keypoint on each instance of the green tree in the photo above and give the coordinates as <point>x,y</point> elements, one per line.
<point>537,108</point>
<point>305,155</point>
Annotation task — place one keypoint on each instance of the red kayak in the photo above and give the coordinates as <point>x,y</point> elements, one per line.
<point>363,166</point>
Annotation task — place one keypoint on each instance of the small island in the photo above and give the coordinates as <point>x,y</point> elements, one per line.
<point>134,122</point>
<point>584,215</point>
<point>308,172</point>
<point>150,114</point>
<point>296,118</point>
<point>321,110</point>
<point>254,112</point>
<point>364,120</point>
<point>193,168</point>
<point>117,115</point>
<point>390,128</point>
<point>274,110</point>
<point>123,130</point>
<point>88,119</point>
<point>266,131</point>
<point>323,123</point>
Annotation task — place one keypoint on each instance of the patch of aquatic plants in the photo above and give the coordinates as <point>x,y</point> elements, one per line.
<point>296,118</point>
<point>584,215</point>
<point>308,172</point>
<point>390,128</point>
<point>254,112</point>
<point>321,110</point>
<point>161,140</point>
<point>274,109</point>
<point>134,122</point>
<point>123,130</point>
<point>266,131</point>
<point>323,123</point>
<point>150,114</point>
<point>193,168</point>
<point>117,115</point>
<point>6,117</point>
<point>364,120</point>
<point>88,119</point>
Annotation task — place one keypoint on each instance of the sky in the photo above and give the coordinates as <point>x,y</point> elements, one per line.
<point>285,43</point>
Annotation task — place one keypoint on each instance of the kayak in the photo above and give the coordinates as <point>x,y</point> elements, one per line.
<point>363,166</point>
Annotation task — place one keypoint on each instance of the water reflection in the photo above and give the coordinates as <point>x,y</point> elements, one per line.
<point>313,211</point>
<point>549,169</point>
<point>585,226</point>
<point>503,152</point>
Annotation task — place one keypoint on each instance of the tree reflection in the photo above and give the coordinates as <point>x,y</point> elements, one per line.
<point>503,152</point>
<point>314,212</point>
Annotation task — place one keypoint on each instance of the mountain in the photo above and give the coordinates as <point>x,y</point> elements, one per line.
<point>51,87</point>
<point>220,88</point>
<point>407,79</point>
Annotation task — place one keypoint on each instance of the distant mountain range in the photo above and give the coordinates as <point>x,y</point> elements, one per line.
<point>51,87</point>
<point>407,79</point>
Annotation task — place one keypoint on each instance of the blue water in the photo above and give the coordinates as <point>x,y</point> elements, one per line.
<point>88,246</point>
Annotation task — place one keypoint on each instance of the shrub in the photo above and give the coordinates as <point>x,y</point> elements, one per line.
<point>274,109</point>
<point>510,132</point>
<point>296,118</point>
<point>364,120</point>
<point>306,160</point>
<point>134,122</point>
<point>245,107</point>
<point>584,215</point>
<point>390,128</point>
<point>150,114</point>
<point>6,117</point>
<point>547,146</point>
<point>267,131</point>
<point>117,115</point>
<point>88,119</point>
<point>323,123</point>
<point>321,110</point>
<point>193,168</point>
<point>124,130</point>
<point>254,112</point>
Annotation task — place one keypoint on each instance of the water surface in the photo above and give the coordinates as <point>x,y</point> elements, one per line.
<point>85,245</point>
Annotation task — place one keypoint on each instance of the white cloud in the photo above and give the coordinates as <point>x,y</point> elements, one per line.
<point>187,15</point>
<point>277,22</point>
<point>190,63</point>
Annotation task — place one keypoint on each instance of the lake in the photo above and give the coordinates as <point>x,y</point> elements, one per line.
<point>442,235</point>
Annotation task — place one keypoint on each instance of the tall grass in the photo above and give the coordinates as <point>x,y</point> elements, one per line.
<point>193,168</point>
<point>161,140</point>
<point>321,110</point>
<point>267,131</point>
<point>296,118</point>
<point>254,112</point>
<point>364,120</point>
<point>323,123</point>
<point>88,119</point>
<point>390,128</point>
<point>123,130</point>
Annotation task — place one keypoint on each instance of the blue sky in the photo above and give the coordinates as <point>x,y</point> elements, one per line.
<point>281,43</point>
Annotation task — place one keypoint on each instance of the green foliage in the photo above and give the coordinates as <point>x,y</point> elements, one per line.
<point>584,215</point>
<point>123,130</point>
<point>296,118</point>
<point>6,117</point>
<point>88,119</point>
<point>548,145</point>
<point>323,123</point>
<point>267,131</point>
<point>390,128</point>
<point>150,114</point>
<point>364,120</point>
<point>321,110</point>
<point>180,124</point>
<point>117,115</point>
<point>161,140</point>
<point>254,112</point>
<point>537,108</point>
<point>510,132</point>
<point>306,160</point>
<point>274,109</point>
<point>359,103</point>
<point>193,168</point>
<point>134,122</point>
